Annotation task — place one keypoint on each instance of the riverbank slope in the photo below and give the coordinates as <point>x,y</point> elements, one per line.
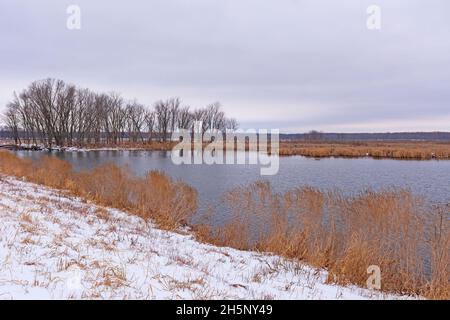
<point>54,246</point>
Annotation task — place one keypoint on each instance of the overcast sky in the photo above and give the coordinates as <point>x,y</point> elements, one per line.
<point>295,65</point>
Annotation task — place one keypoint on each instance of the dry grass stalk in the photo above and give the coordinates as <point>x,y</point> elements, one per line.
<point>407,150</point>
<point>392,229</point>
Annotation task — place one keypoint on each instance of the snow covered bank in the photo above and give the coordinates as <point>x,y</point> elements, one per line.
<point>57,247</point>
<point>41,147</point>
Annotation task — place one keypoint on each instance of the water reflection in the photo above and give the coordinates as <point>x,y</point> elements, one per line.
<point>427,178</point>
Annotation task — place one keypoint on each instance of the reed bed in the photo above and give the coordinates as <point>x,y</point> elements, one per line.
<point>407,150</point>
<point>391,229</point>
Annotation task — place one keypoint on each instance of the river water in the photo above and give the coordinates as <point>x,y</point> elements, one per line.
<point>430,179</point>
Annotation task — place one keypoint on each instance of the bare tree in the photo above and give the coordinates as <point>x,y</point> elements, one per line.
<point>136,119</point>
<point>231,124</point>
<point>174,106</point>
<point>162,109</point>
<point>150,121</point>
<point>115,117</point>
<point>53,112</point>
<point>185,118</point>
<point>12,121</point>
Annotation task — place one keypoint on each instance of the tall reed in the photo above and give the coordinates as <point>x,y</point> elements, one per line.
<point>406,150</point>
<point>391,229</point>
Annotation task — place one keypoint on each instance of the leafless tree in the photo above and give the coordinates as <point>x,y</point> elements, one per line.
<point>185,118</point>
<point>52,112</point>
<point>174,107</point>
<point>162,109</point>
<point>136,120</point>
<point>12,121</point>
<point>231,124</point>
<point>150,121</point>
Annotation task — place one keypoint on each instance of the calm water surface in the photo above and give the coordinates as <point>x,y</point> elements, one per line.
<point>428,178</point>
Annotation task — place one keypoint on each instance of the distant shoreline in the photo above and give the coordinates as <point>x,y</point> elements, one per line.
<point>399,150</point>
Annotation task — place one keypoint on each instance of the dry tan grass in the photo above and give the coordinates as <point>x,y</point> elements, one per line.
<point>419,150</point>
<point>391,229</point>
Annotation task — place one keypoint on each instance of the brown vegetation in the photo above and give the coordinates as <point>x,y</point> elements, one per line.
<point>345,235</point>
<point>156,196</point>
<point>419,150</point>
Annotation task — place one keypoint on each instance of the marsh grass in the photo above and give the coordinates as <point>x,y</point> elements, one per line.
<point>403,150</point>
<point>392,229</point>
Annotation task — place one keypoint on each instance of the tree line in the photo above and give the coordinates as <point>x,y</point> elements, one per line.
<point>52,112</point>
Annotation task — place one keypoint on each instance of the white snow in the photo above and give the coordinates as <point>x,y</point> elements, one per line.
<point>54,246</point>
<point>79,149</point>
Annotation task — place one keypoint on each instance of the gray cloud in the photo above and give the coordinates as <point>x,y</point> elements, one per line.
<point>291,64</point>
